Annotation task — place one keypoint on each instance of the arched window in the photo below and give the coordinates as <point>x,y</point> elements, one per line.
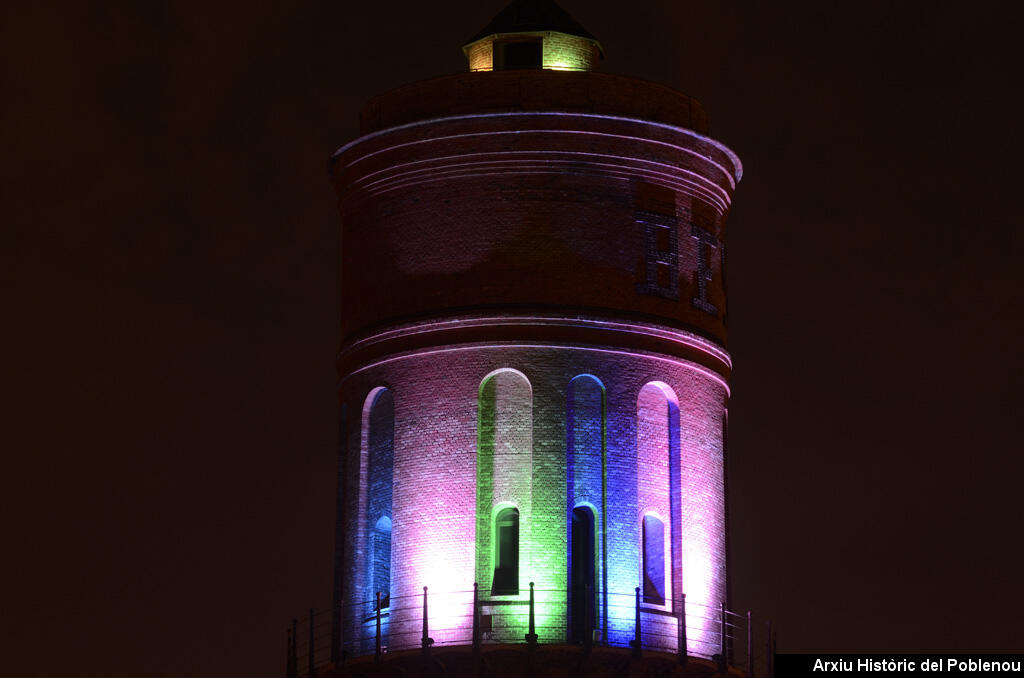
<point>506,553</point>
<point>585,495</point>
<point>379,451</point>
<point>503,477</point>
<point>658,490</point>
<point>654,560</point>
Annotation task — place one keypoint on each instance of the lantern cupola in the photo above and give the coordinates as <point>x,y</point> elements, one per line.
<point>533,34</point>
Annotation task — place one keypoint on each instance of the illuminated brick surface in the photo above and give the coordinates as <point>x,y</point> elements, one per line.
<point>538,293</point>
<point>435,534</point>
<point>560,51</point>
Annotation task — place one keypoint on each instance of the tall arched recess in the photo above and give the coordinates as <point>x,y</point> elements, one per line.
<point>503,476</point>
<point>657,449</point>
<point>378,456</point>
<point>585,504</point>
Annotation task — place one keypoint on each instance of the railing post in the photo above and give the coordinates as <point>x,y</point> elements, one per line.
<point>635,643</point>
<point>750,644</point>
<point>681,655</point>
<point>426,641</point>
<point>725,642</point>
<point>531,637</point>
<point>476,618</point>
<point>311,672</point>
<point>377,649</point>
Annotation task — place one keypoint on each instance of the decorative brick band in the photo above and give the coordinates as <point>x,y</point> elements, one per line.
<point>534,329</point>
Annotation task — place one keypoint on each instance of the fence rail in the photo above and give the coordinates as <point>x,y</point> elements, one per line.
<point>464,618</point>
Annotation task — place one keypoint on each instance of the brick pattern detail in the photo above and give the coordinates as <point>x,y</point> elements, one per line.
<point>569,52</point>
<point>481,55</point>
<point>434,543</point>
<point>527,212</point>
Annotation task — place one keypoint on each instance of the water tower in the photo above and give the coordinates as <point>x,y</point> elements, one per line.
<point>534,380</point>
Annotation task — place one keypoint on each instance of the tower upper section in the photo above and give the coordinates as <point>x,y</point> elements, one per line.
<point>533,192</point>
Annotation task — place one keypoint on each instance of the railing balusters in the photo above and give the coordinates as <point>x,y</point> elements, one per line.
<point>325,643</point>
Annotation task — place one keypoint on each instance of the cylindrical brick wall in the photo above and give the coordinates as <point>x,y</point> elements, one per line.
<point>491,255</point>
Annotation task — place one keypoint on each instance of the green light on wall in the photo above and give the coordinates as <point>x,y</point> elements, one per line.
<point>564,52</point>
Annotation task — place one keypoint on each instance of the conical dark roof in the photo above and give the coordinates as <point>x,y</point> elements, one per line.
<point>525,16</point>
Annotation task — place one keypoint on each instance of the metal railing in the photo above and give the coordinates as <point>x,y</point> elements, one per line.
<point>465,618</point>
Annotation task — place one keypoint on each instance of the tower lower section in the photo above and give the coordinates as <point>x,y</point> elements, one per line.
<point>582,455</point>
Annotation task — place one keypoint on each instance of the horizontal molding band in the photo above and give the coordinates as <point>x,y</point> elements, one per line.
<point>534,330</point>
<point>512,163</point>
<point>699,144</point>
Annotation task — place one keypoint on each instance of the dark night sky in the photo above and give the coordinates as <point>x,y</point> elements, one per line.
<point>171,282</point>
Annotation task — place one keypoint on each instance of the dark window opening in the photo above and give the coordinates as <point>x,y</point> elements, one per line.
<point>584,580</point>
<point>654,560</point>
<point>520,54</point>
<point>506,553</point>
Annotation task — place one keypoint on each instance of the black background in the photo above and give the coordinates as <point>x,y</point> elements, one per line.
<point>170,287</point>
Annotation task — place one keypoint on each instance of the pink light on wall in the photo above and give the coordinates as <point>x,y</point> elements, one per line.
<point>703,516</point>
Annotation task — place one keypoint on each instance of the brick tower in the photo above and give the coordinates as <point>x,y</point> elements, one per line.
<point>533,372</point>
